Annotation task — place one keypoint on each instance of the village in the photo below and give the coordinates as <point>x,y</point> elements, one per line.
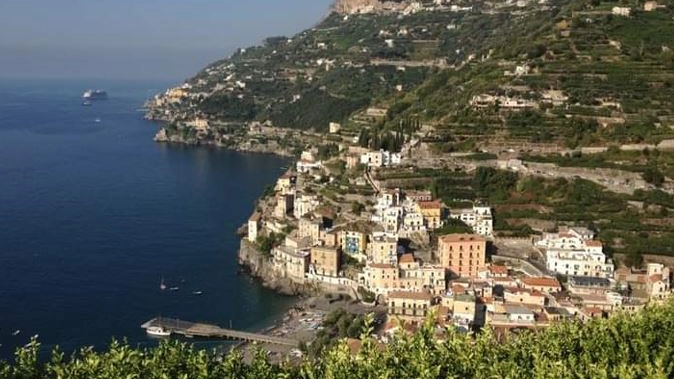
<point>389,253</point>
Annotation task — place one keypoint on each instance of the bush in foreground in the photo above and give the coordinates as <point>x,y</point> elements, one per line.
<point>624,346</point>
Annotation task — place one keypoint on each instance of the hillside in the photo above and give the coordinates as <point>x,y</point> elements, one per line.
<point>575,96</point>
<point>624,346</point>
<point>558,71</point>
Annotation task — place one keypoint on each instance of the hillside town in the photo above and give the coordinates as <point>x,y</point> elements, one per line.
<point>396,253</point>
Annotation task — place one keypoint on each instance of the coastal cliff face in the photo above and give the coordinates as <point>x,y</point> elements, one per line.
<point>260,266</point>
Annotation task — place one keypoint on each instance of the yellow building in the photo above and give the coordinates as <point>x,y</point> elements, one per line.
<point>380,278</point>
<point>383,250</point>
<point>432,212</point>
<point>463,254</point>
<point>325,260</point>
<point>409,305</point>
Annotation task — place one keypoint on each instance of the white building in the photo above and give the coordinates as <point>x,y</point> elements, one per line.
<point>479,218</point>
<point>304,167</point>
<point>381,158</point>
<point>573,252</point>
<point>305,204</point>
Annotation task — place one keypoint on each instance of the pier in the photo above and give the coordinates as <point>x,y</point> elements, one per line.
<point>195,329</point>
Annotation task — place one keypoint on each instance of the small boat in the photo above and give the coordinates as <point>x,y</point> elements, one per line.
<point>86,103</point>
<point>174,288</point>
<point>16,332</point>
<point>158,331</point>
<point>197,293</point>
<point>98,120</point>
<point>162,285</point>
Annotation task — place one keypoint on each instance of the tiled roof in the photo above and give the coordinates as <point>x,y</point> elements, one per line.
<point>430,204</point>
<point>406,258</point>
<point>462,238</point>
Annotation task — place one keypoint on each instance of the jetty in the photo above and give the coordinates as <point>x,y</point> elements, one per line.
<point>194,329</point>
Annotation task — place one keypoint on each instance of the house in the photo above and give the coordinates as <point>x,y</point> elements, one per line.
<point>542,284</point>
<point>418,196</point>
<point>286,182</point>
<point>479,218</point>
<point>254,226</point>
<point>383,249</point>
<point>651,283</point>
<point>305,167</point>
<point>621,11</point>
<point>326,260</point>
<point>432,212</point>
<point>511,314</point>
<point>291,263</point>
<point>380,278</point>
<point>409,305</point>
<point>652,5</point>
<point>523,296</point>
<point>498,271</point>
<point>335,127</point>
<point>353,242</point>
<point>574,252</point>
<point>310,227</point>
<point>463,254</point>
<point>305,204</point>
<point>284,205</point>
<point>588,285</point>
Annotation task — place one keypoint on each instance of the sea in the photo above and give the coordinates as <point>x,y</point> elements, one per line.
<point>94,215</point>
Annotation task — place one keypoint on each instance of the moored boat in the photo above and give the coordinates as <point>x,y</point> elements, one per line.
<point>158,331</point>
<point>94,95</point>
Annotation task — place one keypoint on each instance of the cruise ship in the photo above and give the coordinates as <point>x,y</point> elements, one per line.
<point>94,95</point>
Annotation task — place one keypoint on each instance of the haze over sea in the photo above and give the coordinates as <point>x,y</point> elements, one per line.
<point>94,214</point>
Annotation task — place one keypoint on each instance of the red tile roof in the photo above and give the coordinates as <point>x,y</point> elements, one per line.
<point>435,204</point>
<point>462,238</point>
<point>406,258</point>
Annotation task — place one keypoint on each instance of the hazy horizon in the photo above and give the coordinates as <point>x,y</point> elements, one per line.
<point>142,39</point>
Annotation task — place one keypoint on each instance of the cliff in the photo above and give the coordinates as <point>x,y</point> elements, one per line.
<point>260,266</point>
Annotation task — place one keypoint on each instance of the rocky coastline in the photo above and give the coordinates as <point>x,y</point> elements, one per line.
<point>257,265</point>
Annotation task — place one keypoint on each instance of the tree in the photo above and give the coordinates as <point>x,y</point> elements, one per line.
<point>653,176</point>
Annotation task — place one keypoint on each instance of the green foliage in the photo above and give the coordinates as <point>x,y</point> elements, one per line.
<point>266,243</point>
<point>492,183</point>
<point>623,346</point>
<point>453,226</point>
<point>654,176</point>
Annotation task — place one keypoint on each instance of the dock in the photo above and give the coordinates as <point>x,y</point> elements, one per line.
<point>194,329</point>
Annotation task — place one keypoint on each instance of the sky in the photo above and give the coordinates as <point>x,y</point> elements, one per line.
<point>138,39</point>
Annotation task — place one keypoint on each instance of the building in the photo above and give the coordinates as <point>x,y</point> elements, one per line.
<point>588,285</point>
<point>479,218</point>
<point>286,182</point>
<point>418,196</point>
<point>380,278</point>
<point>326,260</point>
<point>409,305</point>
<point>572,251</point>
<point>523,296</point>
<point>305,204</point>
<point>383,249</point>
<point>254,226</point>
<point>542,284</point>
<point>310,227</point>
<point>335,127</point>
<point>380,158</point>
<point>284,205</point>
<point>432,212</point>
<point>621,11</point>
<point>463,254</point>
<point>652,283</point>
<point>291,263</point>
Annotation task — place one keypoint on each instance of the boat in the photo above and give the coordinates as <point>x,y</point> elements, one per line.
<point>197,293</point>
<point>158,331</point>
<point>162,285</point>
<point>16,332</point>
<point>86,103</point>
<point>174,288</point>
<point>98,120</point>
<point>94,95</point>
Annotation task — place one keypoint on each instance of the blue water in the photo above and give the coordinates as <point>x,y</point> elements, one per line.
<point>92,215</point>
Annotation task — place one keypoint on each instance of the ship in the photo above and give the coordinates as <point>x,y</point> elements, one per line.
<point>94,95</point>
